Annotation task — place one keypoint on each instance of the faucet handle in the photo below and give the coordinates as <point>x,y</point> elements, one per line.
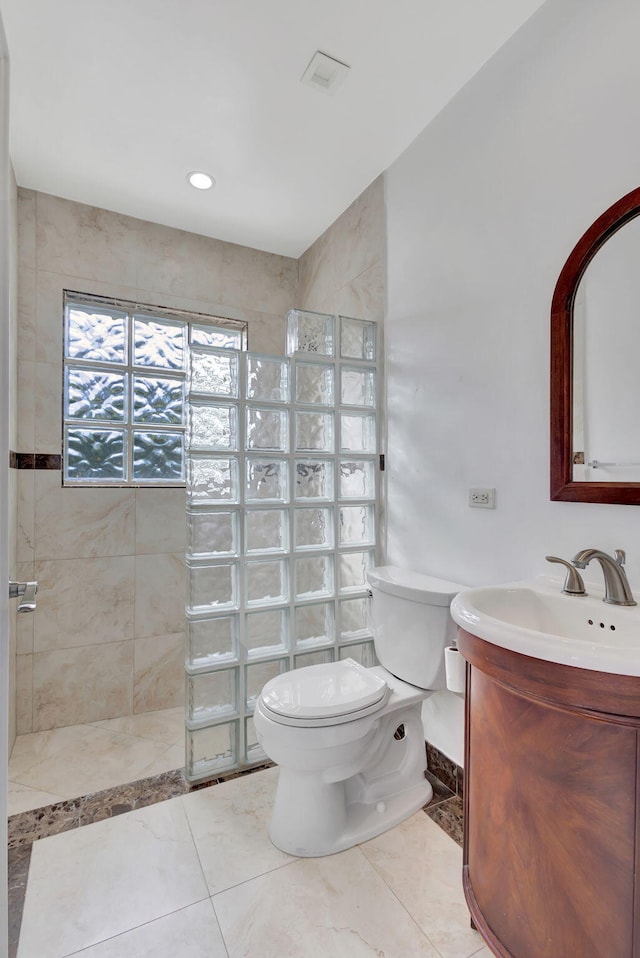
<point>573,584</point>
<point>620,556</point>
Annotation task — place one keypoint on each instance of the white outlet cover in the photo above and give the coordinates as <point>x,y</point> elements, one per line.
<point>482,498</point>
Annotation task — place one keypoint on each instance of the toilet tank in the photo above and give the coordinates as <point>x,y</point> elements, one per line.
<point>411,623</point>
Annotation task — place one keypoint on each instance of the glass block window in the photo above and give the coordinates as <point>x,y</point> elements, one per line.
<point>124,390</point>
<point>282,501</point>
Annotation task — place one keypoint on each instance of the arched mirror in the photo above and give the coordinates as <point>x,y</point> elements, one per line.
<point>595,363</point>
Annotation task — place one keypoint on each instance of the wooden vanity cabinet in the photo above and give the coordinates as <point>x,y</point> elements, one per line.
<point>552,836</point>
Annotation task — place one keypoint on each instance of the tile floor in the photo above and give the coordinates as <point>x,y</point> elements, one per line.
<point>197,877</point>
<point>63,763</point>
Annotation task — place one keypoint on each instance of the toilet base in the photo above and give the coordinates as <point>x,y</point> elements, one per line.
<point>325,824</point>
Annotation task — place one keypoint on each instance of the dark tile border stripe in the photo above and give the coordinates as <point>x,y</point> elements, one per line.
<point>445,769</point>
<point>447,780</point>
<point>27,827</point>
<point>19,862</point>
<point>448,815</point>
<point>34,460</point>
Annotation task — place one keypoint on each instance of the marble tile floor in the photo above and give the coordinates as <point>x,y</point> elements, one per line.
<point>197,877</point>
<point>66,763</point>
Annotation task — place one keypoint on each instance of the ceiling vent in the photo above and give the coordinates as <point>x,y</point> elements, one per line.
<point>324,73</point>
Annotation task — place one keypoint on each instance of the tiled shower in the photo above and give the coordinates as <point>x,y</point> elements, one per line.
<point>107,638</point>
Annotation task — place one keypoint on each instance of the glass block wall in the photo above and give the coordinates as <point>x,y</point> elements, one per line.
<point>282,495</point>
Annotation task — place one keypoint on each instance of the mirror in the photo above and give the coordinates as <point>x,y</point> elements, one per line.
<point>595,393</point>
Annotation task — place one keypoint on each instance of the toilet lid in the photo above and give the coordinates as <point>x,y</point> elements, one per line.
<point>324,691</point>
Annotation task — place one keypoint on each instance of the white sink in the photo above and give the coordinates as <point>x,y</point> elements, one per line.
<point>534,617</point>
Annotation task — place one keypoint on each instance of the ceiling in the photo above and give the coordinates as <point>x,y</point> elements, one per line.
<point>113,102</point>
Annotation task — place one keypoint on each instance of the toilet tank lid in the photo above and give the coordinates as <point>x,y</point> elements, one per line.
<point>413,585</point>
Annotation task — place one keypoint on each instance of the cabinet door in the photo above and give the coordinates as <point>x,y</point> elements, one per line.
<point>550,842</point>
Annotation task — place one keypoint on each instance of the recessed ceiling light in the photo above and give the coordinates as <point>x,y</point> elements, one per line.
<point>200,181</point>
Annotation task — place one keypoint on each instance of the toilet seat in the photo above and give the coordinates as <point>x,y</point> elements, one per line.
<point>327,694</point>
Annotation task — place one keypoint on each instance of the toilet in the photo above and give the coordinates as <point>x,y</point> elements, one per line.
<point>349,740</point>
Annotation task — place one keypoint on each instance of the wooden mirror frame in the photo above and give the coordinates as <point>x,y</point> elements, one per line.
<point>563,486</point>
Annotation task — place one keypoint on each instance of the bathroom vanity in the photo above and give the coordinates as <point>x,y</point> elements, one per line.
<point>552,843</point>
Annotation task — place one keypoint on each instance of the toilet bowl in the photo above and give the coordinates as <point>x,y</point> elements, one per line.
<point>349,741</point>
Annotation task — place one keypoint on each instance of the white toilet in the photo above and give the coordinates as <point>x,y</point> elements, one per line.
<point>349,740</point>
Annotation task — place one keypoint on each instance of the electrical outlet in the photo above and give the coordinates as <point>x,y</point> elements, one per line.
<point>482,498</point>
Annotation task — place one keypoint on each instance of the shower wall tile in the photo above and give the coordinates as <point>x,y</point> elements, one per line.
<point>11,215</point>
<point>159,594</point>
<point>26,312</point>
<point>24,633</point>
<point>343,271</point>
<point>25,572</point>
<point>160,525</point>
<point>83,602</point>
<point>258,280</point>
<point>158,672</point>
<point>75,686</point>
<point>85,241</point>
<point>359,235</point>
<point>178,263</point>
<point>27,227</point>
<point>49,304</point>
<point>210,307</point>
<point>316,281</point>
<point>48,407</point>
<point>48,316</point>
<point>25,545</point>
<point>27,405</point>
<point>364,296</point>
<point>267,333</point>
<point>12,729</point>
<point>24,694</point>
<point>74,523</point>
<point>12,543</point>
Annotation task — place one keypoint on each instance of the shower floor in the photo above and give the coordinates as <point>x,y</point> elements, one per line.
<point>63,763</point>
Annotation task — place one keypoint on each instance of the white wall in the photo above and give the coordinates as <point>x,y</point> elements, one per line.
<point>482,211</point>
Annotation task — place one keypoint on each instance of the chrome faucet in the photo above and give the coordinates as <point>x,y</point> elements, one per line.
<point>617,590</point>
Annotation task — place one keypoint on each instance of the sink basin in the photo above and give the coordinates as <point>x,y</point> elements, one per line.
<point>534,617</point>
